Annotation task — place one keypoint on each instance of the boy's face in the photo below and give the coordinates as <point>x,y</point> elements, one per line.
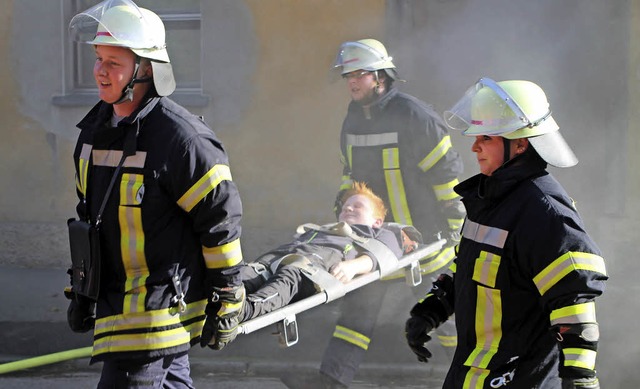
<point>358,209</point>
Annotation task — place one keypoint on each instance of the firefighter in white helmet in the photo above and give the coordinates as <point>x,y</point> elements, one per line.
<point>401,148</point>
<point>156,246</point>
<point>527,272</point>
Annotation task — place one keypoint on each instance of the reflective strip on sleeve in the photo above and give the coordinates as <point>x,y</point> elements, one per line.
<point>204,186</point>
<point>579,357</point>
<point>436,154</point>
<point>573,314</point>
<point>346,183</point>
<point>429,264</point>
<point>493,236</point>
<point>445,256</point>
<point>566,263</point>
<point>227,308</point>
<point>219,257</point>
<point>445,191</point>
<point>455,224</point>
<point>351,336</point>
<point>448,340</point>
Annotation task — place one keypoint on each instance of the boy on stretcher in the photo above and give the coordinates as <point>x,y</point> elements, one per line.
<point>277,278</point>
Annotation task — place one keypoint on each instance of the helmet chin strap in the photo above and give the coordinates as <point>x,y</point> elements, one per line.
<point>127,92</point>
<point>507,150</point>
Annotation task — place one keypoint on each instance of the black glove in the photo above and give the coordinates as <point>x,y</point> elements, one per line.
<point>416,331</point>
<point>580,383</point>
<point>81,314</point>
<point>223,316</point>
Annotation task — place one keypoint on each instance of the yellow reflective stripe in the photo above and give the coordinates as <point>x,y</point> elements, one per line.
<point>579,357</point>
<point>578,313</point>
<point>351,336</point>
<point>565,264</point>
<point>372,140</point>
<point>131,189</point>
<point>455,224</point>
<point>448,340</point>
<point>436,154</point>
<point>474,379</point>
<point>132,242</point>
<point>350,156</point>
<point>204,186</point>
<point>486,267</point>
<point>445,191</point>
<point>488,329</point>
<point>429,264</point>
<point>83,169</point>
<point>111,158</point>
<point>484,234</point>
<point>229,254</point>
<point>444,256</point>
<point>391,158</point>
<point>149,319</point>
<point>135,342</point>
<point>395,187</point>
<point>346,183</point>
<point>227,308</point>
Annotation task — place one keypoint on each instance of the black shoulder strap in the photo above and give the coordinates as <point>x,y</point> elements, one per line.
<point>109,189</point>
<point>128,148</point>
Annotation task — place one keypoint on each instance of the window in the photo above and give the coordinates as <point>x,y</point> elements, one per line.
<point>182,22</point>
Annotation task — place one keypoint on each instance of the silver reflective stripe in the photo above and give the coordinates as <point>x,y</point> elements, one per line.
<point>111,158</point>
<point>484,234</point>
<point>386,138</point>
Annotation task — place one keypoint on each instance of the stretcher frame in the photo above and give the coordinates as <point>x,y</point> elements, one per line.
<point>285,317</point>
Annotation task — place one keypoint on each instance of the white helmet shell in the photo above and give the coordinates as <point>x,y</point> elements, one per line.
<point>122,23</point>
<point>512,109</point>
<point>365,54</point>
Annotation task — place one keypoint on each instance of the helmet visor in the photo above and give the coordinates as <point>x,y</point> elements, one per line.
<point>486,109</point>
<point>115,23</point>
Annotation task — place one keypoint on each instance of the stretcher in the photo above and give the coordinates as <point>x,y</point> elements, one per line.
<point>332,289</point>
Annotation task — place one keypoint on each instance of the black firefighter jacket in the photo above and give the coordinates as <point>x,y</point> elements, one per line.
<point>525,262</point>
<point>170,229</point>
<point>402,150</point>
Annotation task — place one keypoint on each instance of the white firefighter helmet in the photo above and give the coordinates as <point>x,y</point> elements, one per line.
<point>512,109</point>
<point>365,54</point>
<point>122,23</point>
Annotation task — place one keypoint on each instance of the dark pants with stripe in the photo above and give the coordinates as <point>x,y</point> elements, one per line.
<point>358,316</point>
<point>350,341</point>
<point>170,372</point>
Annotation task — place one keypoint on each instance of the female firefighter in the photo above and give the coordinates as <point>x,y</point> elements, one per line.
<point>526,273</point>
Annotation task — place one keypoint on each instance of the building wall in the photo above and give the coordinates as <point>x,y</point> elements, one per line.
<point>268,94</point>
